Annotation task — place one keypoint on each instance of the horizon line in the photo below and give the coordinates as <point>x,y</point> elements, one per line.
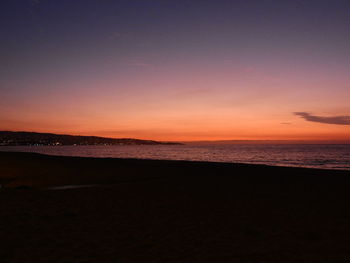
<point>217,141</point>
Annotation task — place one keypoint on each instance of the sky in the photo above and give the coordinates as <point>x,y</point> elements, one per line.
<point>177,70</point>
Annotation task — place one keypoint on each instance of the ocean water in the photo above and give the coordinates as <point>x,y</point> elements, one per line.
<point>324,156</point>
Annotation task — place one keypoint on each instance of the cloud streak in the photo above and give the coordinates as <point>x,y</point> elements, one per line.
<point>337,120</point>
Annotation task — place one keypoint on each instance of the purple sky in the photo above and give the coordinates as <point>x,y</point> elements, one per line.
<point>176,69</point>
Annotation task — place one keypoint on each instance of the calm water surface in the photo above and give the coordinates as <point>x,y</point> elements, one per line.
<point>301,155</point>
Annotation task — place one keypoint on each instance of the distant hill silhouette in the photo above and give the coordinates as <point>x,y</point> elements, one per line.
<point>35,138</point>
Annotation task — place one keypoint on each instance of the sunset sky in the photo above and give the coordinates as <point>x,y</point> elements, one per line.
<point>177,70</point>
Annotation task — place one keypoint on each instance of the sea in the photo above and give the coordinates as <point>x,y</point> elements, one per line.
<point>322,156</point>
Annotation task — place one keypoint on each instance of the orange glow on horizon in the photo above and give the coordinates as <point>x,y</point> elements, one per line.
<point>183,108</point>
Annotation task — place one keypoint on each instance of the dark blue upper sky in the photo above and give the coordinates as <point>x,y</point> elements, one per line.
<point>41,26</point>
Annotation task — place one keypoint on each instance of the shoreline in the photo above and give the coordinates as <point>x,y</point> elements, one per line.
<point>336,157</point>
<point>24,169</point>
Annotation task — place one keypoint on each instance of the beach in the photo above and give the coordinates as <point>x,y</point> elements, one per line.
<point>169,211</point>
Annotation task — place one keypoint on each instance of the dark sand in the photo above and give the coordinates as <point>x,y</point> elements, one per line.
<point>169,211</point>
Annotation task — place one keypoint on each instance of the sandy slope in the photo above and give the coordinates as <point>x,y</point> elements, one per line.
<point>163,211</point>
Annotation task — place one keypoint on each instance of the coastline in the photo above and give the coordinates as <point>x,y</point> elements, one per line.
<point>334,157</point>
<point>24,169</point>
<point>170,211</point>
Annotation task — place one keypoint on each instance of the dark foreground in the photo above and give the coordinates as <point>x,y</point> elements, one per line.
<point>164,211</point>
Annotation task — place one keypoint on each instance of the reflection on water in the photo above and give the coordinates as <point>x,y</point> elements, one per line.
<point>301,155</point>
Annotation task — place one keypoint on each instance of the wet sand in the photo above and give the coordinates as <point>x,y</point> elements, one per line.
<point>170,211</point>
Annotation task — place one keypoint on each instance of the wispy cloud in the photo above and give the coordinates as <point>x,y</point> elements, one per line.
<point>337,120</point>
